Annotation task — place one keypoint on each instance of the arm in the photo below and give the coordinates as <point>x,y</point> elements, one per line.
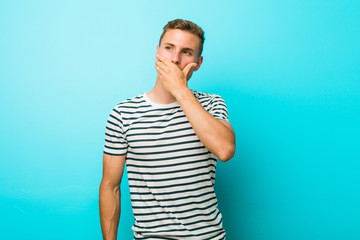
<point>109,202</point>
<point>217,135</point>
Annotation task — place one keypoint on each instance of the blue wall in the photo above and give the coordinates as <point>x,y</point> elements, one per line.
<point>288,70</point>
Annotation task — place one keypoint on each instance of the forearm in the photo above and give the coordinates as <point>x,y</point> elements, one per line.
<point>213,133</point>
<point>217,136</point>
<point>109,210</point>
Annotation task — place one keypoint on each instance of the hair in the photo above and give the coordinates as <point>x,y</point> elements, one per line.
<point>185,26</point>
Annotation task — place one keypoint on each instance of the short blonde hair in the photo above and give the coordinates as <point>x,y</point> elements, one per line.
<point>185,26</point>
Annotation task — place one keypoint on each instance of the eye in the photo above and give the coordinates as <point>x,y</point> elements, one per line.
<point>168,48</point>
<point>187,53</point>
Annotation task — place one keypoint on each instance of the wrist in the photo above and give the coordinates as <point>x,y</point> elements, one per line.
<point>182,93</point>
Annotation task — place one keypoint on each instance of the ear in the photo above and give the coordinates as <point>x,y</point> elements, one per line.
<point>157,50</point>
<point>198,62</point>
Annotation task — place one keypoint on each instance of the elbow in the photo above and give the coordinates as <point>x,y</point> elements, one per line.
<point>227,153</point>
<point>107,185</point>
<point>225,157</point>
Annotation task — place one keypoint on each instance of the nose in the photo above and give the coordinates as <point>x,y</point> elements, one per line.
<point>175,58</point>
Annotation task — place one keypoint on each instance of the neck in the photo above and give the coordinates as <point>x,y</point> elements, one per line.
<point>159,95</point>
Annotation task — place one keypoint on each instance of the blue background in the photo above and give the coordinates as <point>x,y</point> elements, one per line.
<point>288,70</point>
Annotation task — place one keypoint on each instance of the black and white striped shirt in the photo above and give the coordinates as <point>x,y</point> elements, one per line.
<point>171,173</point>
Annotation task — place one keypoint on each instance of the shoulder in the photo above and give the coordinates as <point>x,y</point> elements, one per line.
<point>214,104</point>
<point>207,97</point>
<point>131,104</point>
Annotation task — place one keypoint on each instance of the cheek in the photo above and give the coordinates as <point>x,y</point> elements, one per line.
<point>188,60</point>
<point>165,54</point>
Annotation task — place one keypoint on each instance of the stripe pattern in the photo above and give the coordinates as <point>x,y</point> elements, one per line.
<point>171,173</point>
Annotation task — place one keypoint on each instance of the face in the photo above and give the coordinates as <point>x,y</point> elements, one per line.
<point>180,47</point>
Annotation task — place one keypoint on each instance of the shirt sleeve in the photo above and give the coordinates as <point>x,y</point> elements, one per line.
<point>218,108</point>
<point>115,141</point>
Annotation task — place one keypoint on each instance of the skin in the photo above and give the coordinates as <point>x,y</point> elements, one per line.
<point>177,57</point>
<point>109,202</point>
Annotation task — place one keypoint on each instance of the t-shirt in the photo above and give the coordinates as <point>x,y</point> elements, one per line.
<point>171,173</point>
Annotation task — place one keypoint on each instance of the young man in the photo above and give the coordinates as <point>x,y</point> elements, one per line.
<point>170,139</point>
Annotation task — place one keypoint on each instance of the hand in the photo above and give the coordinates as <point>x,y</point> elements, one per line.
<point>172,78</point>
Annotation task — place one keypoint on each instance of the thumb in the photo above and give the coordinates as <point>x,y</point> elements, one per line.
<point>188,68</point>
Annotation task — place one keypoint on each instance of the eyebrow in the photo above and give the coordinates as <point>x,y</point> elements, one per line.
<point>187,49</point>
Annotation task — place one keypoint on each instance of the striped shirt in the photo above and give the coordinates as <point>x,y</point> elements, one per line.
<point>171,173</point>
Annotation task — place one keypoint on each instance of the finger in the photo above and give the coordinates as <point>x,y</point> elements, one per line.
<point>163,60</point>
<point>188,68</point>
<point>159,71</point>
<point>160,65</point>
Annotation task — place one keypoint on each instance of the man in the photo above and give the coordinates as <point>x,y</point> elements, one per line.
<point>170,139</point>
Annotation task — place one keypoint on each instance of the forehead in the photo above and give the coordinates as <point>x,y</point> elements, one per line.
<point>181,39</point>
